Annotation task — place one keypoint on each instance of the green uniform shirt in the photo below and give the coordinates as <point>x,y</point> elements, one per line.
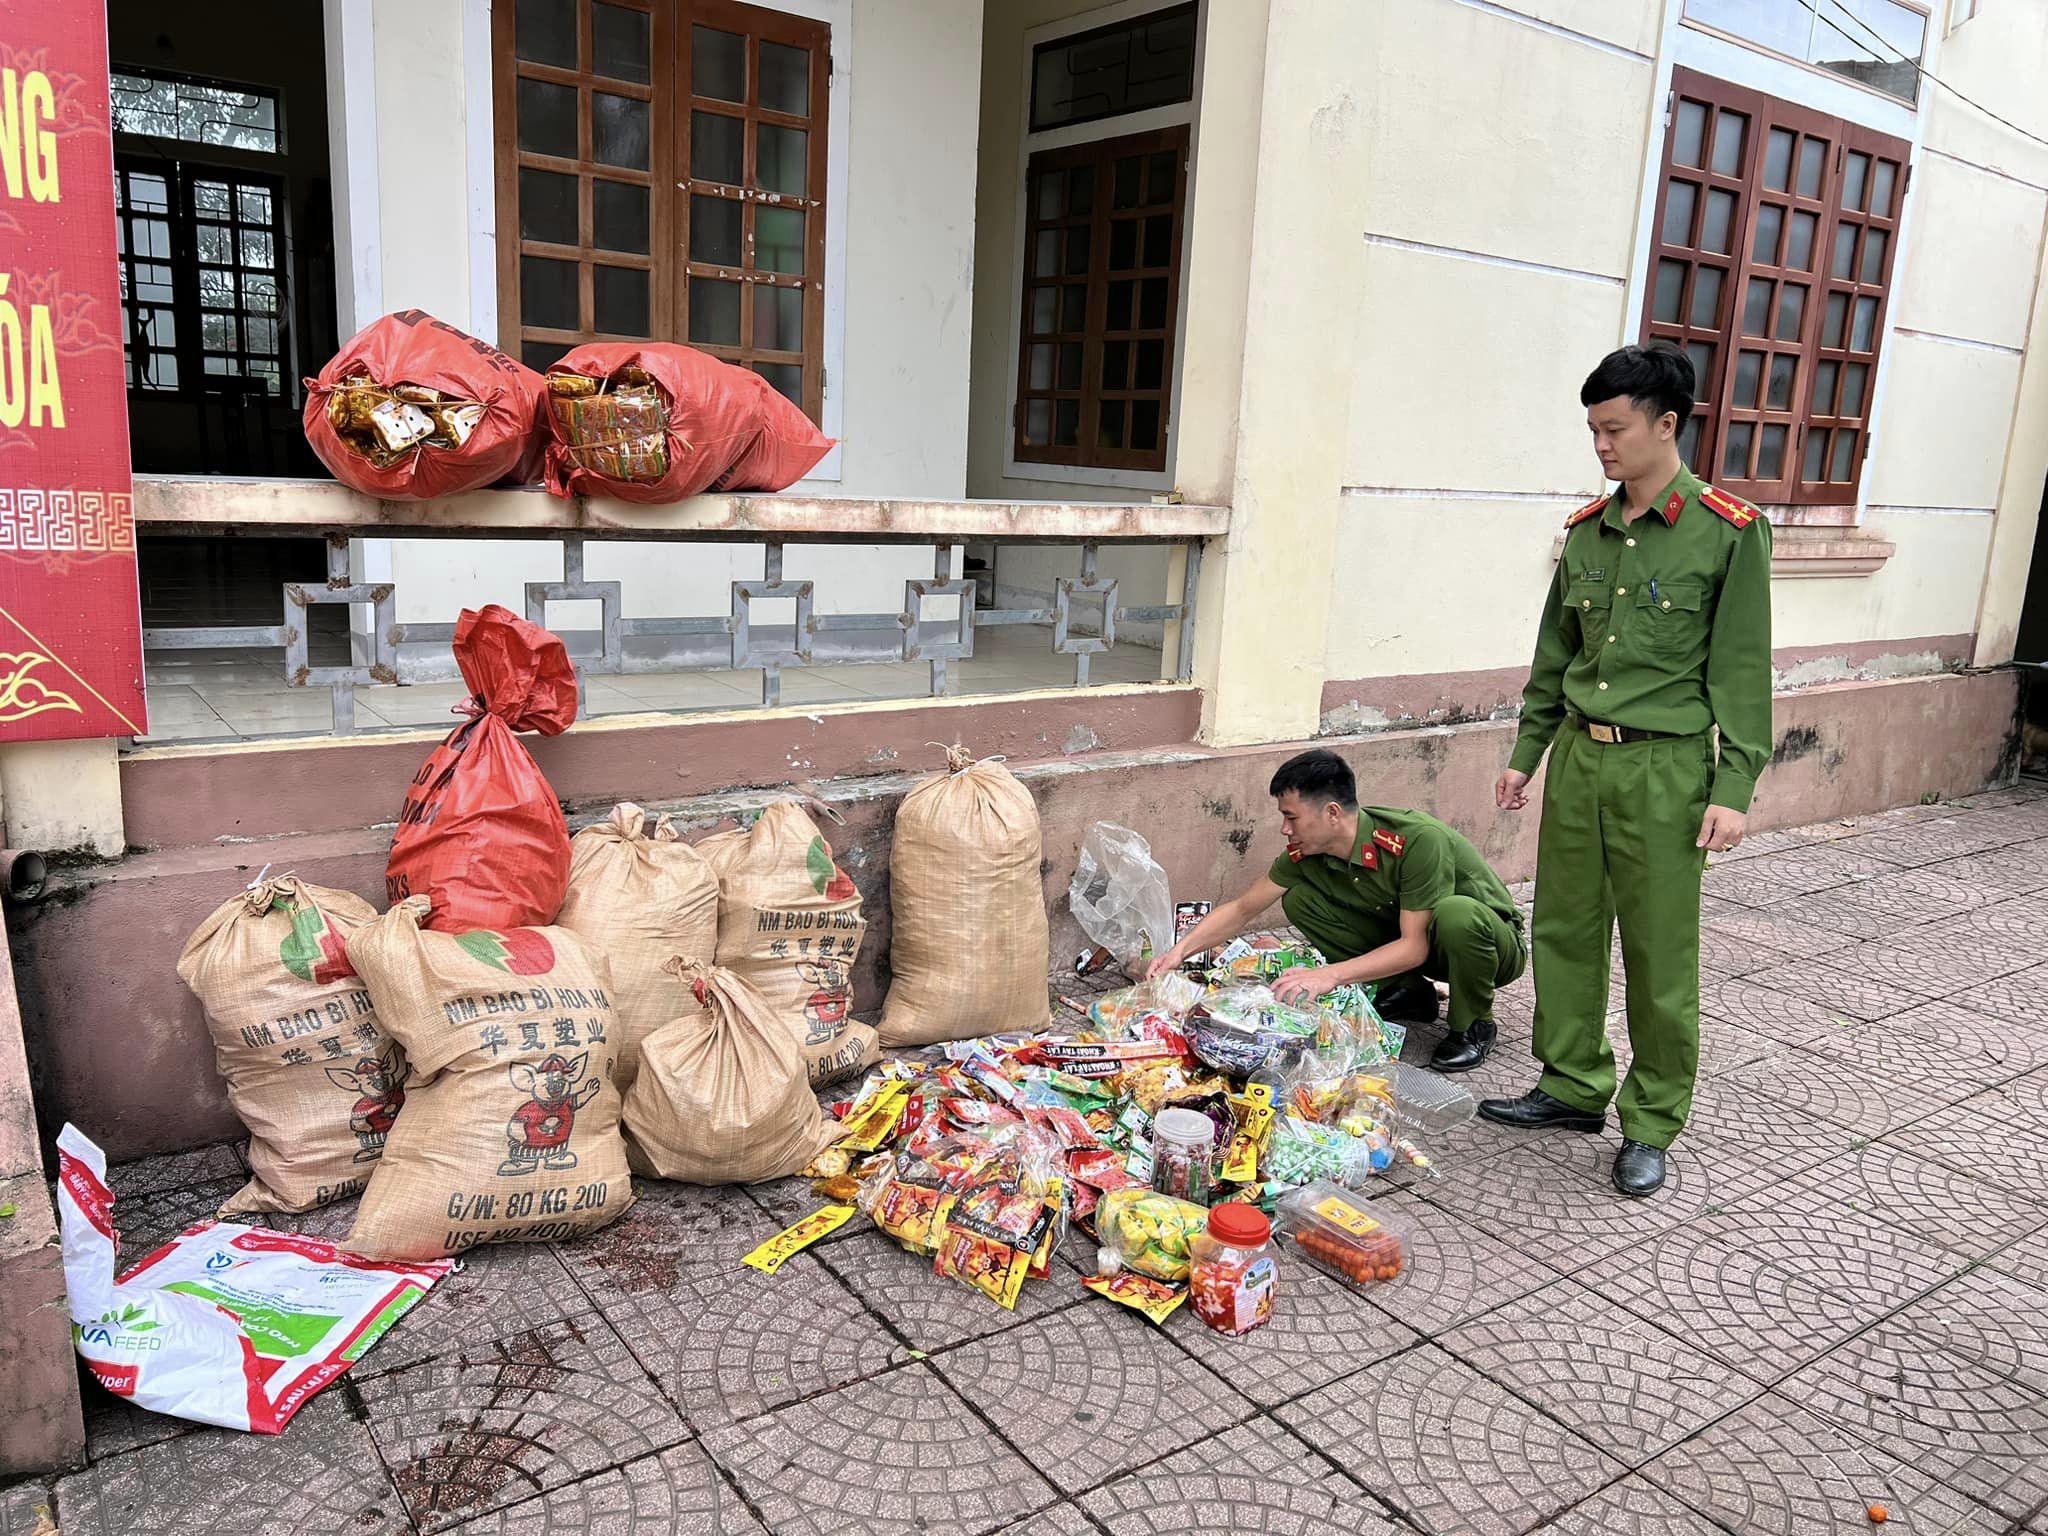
<point>1663,624</point>
<point>1402,861</point>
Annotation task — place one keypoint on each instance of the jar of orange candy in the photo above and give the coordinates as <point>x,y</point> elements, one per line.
<point>1231,1285</point>
<point>1363,1240</point>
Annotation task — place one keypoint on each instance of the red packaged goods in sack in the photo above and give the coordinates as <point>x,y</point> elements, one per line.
<point>653,422</point>
<point>481,831</point>
<point>411,408</point>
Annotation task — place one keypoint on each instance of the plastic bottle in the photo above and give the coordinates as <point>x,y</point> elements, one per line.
<point>1183,1154</point>
<point>1234,1273</point>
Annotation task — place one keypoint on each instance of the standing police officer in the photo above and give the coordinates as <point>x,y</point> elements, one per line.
<point>1657,630</point>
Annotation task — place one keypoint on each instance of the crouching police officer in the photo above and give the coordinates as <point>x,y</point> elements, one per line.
<point>1384,894</point>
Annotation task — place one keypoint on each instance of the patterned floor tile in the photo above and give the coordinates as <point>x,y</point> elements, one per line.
<point>28,1509</point>
<point>1062,1519</point>
<point>1910,896</point>
<point>1775,1470</point>
<point>931,1313</point>
<point>1855,993</point>
<point>1820,1086</point>
<point>678,1491</point>
<point>1455,1271</point>
<point>1986,1147</point>
<point>1778,933</point>
<point>789,1200</point>
<point>321,1475</point>
<point>500,1291</point>
<point>177,1170</point>
<point>1939,1050</point>
<point>2021,868</point>
<point>1632,1507</point>
<point>2025,1260</point>
<point>1765,1290</point>
<point>1627,1386</point>
<point>898,1453</point>
<point>114,1425</point>
<point>1957,1384</point>
<point>1945,961</point>
<point>1256,1479</point>
<point>1318,1332</point>
<point>1846,915</point>
<point>671,1230</point>
<point>2016,1101</point>
<point>1935,842</point>
<point>2021,998</point>
<point>514,1417</point>
<point>1733,1115</point>
<point>1942,1207</point>
<point>1560,1206</point>
<point>1449,1449</point>
<point>1091,1392</point>
<point>1756,883</point>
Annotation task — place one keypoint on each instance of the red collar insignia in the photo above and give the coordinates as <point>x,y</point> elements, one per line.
<point>1673,507</point>
<point>1391,841</point>
<point>1294,853</point>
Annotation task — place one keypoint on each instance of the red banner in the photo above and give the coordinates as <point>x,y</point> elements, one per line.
<point>70,614</point>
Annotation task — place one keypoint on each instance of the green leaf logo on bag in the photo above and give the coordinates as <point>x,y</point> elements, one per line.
<point>522,951</point>
<point>313,951</point>
<point>827,878</point>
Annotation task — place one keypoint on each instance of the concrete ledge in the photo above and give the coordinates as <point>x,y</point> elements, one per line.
<point>1803,550</point>
<point>39,1403</point>
<point>117,1044</point>
<point>227,504</point>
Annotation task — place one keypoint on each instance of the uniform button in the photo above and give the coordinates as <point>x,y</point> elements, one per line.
<point>1667,602</point>
<point>1631,543</point>
<point>1610,639</point>
<point>1621,591</point>
<point>1585,602</point>
<point>1603,686</point>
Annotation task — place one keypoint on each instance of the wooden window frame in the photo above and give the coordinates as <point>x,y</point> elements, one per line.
<point>670,187</point>
<point>1717,409</point>
<point>1094,337</point>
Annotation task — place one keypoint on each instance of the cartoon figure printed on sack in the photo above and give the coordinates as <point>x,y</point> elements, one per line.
<point>379,1085</point>
<point>538,1132</point>
<point>826,1008</point>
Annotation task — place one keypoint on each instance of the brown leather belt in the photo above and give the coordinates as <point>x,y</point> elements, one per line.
<point>1616,735</point>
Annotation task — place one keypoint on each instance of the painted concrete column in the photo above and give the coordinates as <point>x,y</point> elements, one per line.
<point>1266,599</point>
<point>62,797</point>
<point>2021,488</point>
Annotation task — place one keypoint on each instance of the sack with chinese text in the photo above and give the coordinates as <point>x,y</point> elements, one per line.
<point>481,831</point>
<point>789,925</point>
<point>968,944</point>
<point>411,408</point>
<point>642,898</point>
<point>722,1096</point>
<point>309,1070</point>
<point>653,422</point>
<point>511,1123</point>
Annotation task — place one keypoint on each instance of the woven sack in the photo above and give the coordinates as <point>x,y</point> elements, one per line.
<point>511,1123</point>
<point>968,949</point>
<point>789,925</point>
<point>642,898</point>
<point>309,1069</point>
<point>722,1096</point>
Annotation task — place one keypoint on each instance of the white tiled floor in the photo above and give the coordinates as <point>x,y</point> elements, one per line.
<point>226,695</point>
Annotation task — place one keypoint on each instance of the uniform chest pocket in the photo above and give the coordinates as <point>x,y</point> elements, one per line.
<point>1591,601</point>
<point>1671,616</point>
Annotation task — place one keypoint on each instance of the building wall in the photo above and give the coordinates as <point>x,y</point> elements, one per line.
<point>911,70</point>
<point>1505,250</point>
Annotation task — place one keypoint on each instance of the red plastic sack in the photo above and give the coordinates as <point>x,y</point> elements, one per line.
<point>728,429</point>
<point>412,347</point>
<point>481,831</point>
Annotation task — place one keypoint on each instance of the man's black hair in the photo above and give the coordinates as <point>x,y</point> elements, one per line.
<point>1318,777</point>
<point>1656,379</point>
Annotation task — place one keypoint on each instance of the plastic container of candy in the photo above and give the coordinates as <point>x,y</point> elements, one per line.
<point>1363,1241</point>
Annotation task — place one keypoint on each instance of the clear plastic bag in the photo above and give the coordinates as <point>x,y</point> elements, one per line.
<point>1119,894</point>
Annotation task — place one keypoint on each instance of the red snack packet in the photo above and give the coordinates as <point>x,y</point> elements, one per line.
<point>505,442</point>
<point>727,429</point>
<point>481,832</point>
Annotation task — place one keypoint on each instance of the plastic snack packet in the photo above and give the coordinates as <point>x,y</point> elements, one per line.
<point>1150,1232</point>
<point>1155,1298</point>
<point>225,1324</point>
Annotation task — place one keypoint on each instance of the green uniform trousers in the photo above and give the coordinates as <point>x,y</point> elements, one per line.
<point>1620,827</point>
<point>1471,946</point>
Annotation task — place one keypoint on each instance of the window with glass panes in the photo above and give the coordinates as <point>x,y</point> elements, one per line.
<point>1776,228</point>
<point>665,171</point>
<point>1102,245</point>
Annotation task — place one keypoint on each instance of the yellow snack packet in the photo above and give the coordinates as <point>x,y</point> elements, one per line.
<point>793,1240</point>
<point>1254,1119</point>
<point>1155,1298</point>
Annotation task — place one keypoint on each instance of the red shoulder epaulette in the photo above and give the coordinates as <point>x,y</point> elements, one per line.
<point>1734,508</point>
<point>1391,841</point>
<point>1591,509</point>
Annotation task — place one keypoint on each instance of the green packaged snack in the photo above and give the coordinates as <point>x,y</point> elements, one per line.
<point>1150,1232</point>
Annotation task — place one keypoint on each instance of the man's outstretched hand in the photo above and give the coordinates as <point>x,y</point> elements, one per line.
<point>1722,829</point>
<point>1304,984</point>
<point>1509,790</point>
<point>1161,964</point>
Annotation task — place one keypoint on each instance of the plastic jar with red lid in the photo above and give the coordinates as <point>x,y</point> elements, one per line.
<point>1234,1273</point>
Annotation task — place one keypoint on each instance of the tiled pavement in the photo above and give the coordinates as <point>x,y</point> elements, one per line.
<point>1841,1300</point>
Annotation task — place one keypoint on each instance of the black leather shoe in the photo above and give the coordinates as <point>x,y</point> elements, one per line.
<point>1536,1111</point>
<point>1638,1169</point>
<point>1463,1052</point>
<point>1409,999</point>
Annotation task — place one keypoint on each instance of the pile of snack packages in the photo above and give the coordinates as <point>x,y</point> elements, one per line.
<point>537,1018</point>
<point>1160,1109</point>
<point>413,409</point>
